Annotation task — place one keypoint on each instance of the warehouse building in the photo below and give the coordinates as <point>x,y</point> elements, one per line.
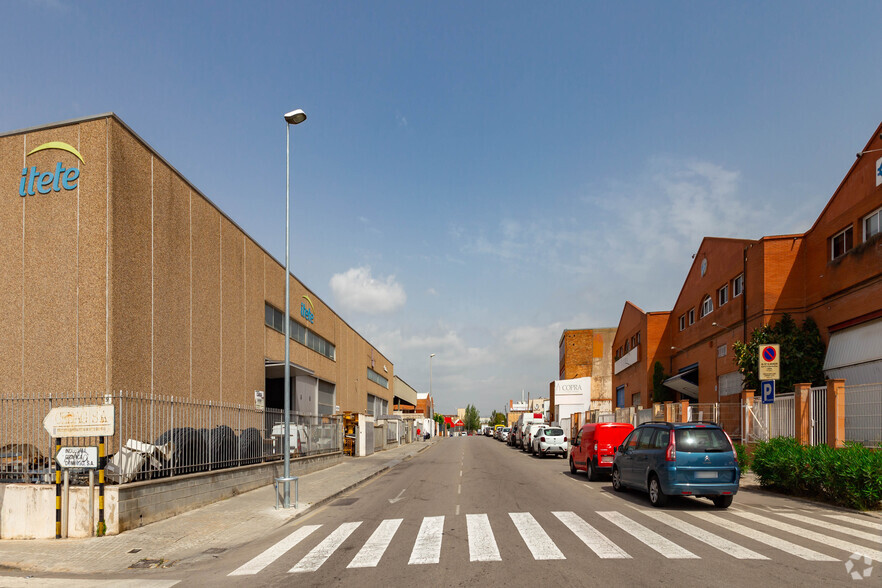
<point>119,274</point>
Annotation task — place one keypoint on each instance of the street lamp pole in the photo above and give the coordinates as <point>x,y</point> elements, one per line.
<point>295,117</point>
<point>431,355</point>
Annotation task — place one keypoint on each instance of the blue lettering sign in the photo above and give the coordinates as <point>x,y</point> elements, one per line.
<point>306,313</point>
<point>33,181</point>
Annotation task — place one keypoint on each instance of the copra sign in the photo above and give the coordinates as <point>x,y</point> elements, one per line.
<point>34,181</point>
<point>80,421</point>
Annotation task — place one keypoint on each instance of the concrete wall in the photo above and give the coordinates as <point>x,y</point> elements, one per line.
<point>27,511</point>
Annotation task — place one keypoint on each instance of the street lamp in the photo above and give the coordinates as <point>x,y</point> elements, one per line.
<point>431,355</point>
<point>295,117</point>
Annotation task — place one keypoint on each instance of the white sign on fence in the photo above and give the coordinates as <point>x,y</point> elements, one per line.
<point>80,421</point>
<point>77,457</point>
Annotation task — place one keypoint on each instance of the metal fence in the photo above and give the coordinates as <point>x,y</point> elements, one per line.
<point>158,436</point>
<point>818,406</point>
<point>863,414</point>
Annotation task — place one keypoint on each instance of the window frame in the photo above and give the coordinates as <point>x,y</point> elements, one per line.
<point>707,306</point>
<point>847,235</point>
<point>738,286</point>
<point>683,322</point>
<point>723,295</point>
<point>691,314</point>
<point>878,214</point>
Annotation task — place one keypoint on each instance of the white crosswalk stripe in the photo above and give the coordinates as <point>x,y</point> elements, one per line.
<point>427,549</point>
<point>664,546</point>
<point>812,535</point>
<point>321,552</point>
<point>482,543</point>
<point>275,552</point>
<point>537,540</point>
<point>874,537</point>
<point>759,536</point>
<point>376,546</point>
<point>598,543</point>
<point>854,521</point>
<point>715,541</point>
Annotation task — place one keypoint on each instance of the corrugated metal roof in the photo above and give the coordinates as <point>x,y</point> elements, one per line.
<point>854,375</point>
<point>858,345</point>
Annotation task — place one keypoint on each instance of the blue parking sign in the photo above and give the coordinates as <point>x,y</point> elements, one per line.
<point>767,388</point>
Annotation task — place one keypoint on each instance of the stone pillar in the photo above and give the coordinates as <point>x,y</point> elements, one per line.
<point>803,413</point>
<point>836,413</point>
<point>746,401</point>
<point>669,411</point>
<point>684,411</point>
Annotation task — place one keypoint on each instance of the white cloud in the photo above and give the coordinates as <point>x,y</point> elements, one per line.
<point>358,291</point>
<point>401,119</point>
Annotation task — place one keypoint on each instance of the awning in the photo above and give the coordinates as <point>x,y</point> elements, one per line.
<point>685,382</point>
<point>276,370</point>
<point>855,354</point>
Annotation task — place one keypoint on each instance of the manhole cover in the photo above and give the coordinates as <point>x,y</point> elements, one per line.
<point>344,502</point>
<point>215,550</point>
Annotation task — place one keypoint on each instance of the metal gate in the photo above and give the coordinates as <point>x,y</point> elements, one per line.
<point>818,404</point>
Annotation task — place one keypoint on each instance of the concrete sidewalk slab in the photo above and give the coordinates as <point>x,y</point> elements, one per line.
<point>201,534</point>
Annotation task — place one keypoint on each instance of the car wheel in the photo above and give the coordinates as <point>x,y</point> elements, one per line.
<point>657,497</point>
<point>592,471</point>
<point>723,501</point>
<point>617,480</point>
<point>572,466</point>
<point>541,453</point>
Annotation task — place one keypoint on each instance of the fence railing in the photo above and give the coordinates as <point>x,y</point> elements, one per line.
<point>818,405</point>
<point>158,436</point>
<point>863,414</point>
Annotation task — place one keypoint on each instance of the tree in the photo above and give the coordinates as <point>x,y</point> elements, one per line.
<point>472,420</point>
<point>802,353</point>
<point>660,392</point>
<point>442,426</point>
<point>497,418</point>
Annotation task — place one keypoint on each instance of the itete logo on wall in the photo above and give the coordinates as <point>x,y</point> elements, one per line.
<point>33,181</point>
<point>307,313</point>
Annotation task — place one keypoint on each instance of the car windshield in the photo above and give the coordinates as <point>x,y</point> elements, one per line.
<point>506,430</point>
<point>553,432</point>
<point>701,440</point>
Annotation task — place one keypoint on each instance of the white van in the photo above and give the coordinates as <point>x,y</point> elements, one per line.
<point>527,418</point>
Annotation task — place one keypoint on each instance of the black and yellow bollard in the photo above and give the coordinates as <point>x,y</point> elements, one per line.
<point>102,527</point>
<point>57,443</point>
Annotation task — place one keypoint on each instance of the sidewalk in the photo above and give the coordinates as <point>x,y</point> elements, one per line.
<point>201,534</point>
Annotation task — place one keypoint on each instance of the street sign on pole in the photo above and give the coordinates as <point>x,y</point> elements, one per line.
<point>767,387</point>
<point>80,421</point>
<point>769,361</point>
<point>77,457</point>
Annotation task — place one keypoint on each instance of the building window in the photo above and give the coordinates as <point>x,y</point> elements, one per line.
<point>738,286</point>
<point>721,350</point>
<point>707,306</point>
<point>637,338</point>
<point>627,346</point>
<point>377,406</point>
<point>274,319</point>
<point>326,394</point>
<point>691,316</point>
<point>377,378</point>
<point>682,322</point>
<point>635,399</point>
<point>872,224</point>
<point>620,397</point>
<point>723,295</point>
<point>841,243</point>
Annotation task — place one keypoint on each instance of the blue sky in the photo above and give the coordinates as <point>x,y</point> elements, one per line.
<point>475,177</point>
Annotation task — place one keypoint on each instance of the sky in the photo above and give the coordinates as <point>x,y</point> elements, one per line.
<point>474,177</point>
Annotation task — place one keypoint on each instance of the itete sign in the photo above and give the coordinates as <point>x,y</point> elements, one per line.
<point>34,181</point>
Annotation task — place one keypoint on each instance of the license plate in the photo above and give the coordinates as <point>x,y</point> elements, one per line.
<point>706,475</point>
<point>606,458</point>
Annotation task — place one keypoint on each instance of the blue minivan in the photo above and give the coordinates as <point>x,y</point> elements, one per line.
<point>678,459</point>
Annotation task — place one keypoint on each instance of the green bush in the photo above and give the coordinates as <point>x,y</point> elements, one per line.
<point>851,476</point>
<point>743,457</point>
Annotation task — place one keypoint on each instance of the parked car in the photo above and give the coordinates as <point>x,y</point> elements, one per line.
<point>678,459</point>
<point>550,440</point>
<point>594,448</point>
<point>512,435</point>
<point>529,432</point>
<point>503,434</point>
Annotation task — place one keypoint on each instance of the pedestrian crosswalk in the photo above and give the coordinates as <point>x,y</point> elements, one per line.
<point>739,533</point>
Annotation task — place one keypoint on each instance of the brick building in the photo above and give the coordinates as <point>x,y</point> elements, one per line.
<point>832,273</point>
<point>586,353</point>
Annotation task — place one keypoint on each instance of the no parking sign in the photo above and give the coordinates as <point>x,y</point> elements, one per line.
<point>769,362</point>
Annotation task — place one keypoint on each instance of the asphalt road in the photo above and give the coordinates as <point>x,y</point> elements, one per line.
<point>447,518</point>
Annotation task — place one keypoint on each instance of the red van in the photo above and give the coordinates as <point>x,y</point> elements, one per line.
<point>593,450</point>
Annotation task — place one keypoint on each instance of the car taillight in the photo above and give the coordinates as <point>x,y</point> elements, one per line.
<point>671,453</point>
<point>542,439</point>
<point>565,439</point>
<point>732,445</point>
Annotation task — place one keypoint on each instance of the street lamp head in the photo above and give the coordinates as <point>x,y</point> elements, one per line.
<point>431,355</point>
<point>295,117</point>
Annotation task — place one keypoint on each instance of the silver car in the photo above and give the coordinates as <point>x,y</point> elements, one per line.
<point>550,440</point>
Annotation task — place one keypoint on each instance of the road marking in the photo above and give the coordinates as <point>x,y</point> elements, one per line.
<point>800,532</point>
<point>457,510</point>
<point>482,543</point>
<point>10,582</point>
<point>321,552</point>
<point>874,537</point>
<point>370,554</point>
<point>664,546</point>
<point>537,540</point>
<point>275,552</point>
<point>759,536</point>
<point>715,541</point>
<point>427,549</point>
<point>603,547</point>
<point>459,489</point>
<point>397,498</point>
<point>848,519</point>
